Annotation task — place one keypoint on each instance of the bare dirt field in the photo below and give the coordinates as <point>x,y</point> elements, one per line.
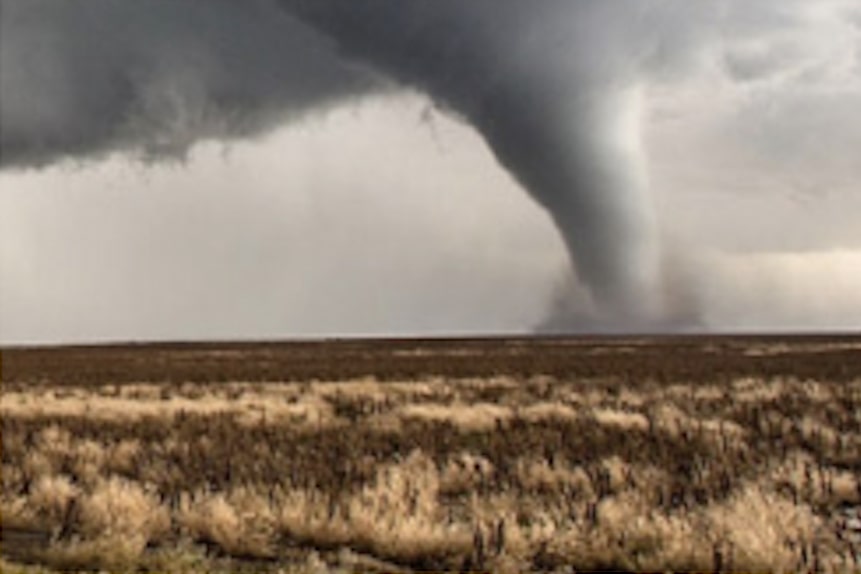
<point>502,455</point>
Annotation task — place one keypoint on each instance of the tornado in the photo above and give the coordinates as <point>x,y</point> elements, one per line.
<point>555,87</point>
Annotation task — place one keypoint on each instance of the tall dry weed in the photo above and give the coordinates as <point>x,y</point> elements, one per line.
<point>118,508</point>
<point>241,523</point>
<point>51,498</point>
<point>765,529</point>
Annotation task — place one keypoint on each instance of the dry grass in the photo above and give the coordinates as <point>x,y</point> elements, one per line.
<point>621,419</point>
<point>468,418</point>
<point>241,522</point>
<point>500,473</point>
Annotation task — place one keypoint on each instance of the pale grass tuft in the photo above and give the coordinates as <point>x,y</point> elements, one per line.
<point>537,474</point>
<point>768,350</point>
<point>618,471</point>
<point>242,523</point>
<point>750,390</point>
<point>466,417</point>
<point>314,564</point>
<point>51,497</point>
<point>422,390</point>
<point>357,389</point>
<point>622,419</point>
<point>845,487</point>
<point>798,471</point>
<point>670,419</point>
<point>121,457</point>
<point>802,474</point>
<point>547,411</point>
<point>12,478</point>
<point>520,525</point>
<point>399,516</point>
<point>305,516</point>
<point>88,461</point>
<point>816,391</point>
<point>37,464</point>
<point>629,535</point>
<point>762,527</point>
<point>709,393</point>
<point>310,411</point>
<point>734,432</point>
<point>387,422</point>
<point>464,473</point>
<point>16,511</point>
<point>139,391</point>
<point>758,526</point>
<point>119,509</point>
<point>490,383</point>
<point>812,428</point>
<point>631,399</point>
<point>591,397</point>
<point>54,440</point>
<point>116,521</point>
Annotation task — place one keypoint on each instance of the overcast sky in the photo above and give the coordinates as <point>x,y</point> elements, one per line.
<point>385,211</point>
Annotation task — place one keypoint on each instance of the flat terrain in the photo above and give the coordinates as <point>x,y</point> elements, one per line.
<point>530,454</point>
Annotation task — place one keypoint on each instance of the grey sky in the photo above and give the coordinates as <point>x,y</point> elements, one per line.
<point>383,213</point>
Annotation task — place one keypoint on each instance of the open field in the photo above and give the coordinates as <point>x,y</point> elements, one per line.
<point>507,455</point>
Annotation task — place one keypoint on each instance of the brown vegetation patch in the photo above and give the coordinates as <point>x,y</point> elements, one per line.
<point>530,456</point>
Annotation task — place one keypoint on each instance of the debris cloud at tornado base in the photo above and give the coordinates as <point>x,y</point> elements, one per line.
<point>554,87</point>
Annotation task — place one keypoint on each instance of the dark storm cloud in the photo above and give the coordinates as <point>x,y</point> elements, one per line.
<point>78,79</point>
